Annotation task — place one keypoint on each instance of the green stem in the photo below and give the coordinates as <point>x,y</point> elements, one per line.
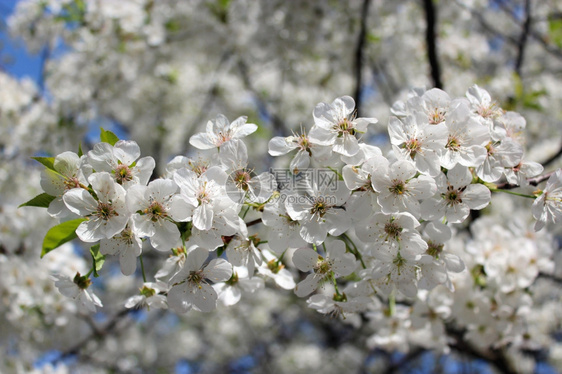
<point>512,193</point>
<point>246,212</point>
<point>142,268</point>
<point>392,303</point>
<point>355,251</point>
<point>335,284</point>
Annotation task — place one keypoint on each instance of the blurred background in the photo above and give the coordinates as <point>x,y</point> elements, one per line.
<point>155,71</point>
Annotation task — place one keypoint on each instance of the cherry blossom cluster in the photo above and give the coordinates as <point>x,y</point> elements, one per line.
<point>365,225</point>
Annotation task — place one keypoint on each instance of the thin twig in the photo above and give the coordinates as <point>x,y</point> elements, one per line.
<point>431,41</point>
<point>359,55</point>
<point>523,38</point>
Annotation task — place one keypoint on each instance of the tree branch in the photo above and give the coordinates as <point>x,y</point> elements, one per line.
<point>359,55</point>
<point>494,357</point>
<point>431,41</point>
<point>552,158</point>
<point>523,38</point>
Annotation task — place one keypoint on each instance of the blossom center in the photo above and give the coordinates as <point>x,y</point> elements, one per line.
<point>392,230</point>
<point>436,116</point>
<point>155,211</point>
<point>223,137</point>
<point>320,207</point>
<point>105,211</point>
<point>344,127</point>
<point>71,183</point>
<point>322,266</point>
<point>434,249</point>
<point>398,187</point>
<point>453,196</point>
<point>413,146</point>
<point>196,277</point>
<point>453,143</point>
<point>123,174</point>
<point>242,179</point>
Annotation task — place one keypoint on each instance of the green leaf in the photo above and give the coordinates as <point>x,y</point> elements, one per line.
<point>97,258</point>
<point>220,251</point>
<point>80,153</point>
<point>108,137</point>
<point>41,201</point>
<point>48,162</point>
<point>60,234</point>
<point>555,31</point>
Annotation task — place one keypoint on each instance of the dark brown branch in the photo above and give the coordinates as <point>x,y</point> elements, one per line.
<point>552,158</point>
<point>431,41</point>
<point>523,38</point>
<point>550,277</point>
<point>399,366</point>
<point>279,127</point>
<point>532,181</point>
<point>96,333</point>
<point>495,357</point>
<point>359,55</point>
<point>553,50</point>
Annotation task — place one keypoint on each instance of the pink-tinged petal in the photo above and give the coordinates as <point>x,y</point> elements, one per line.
<point>80,202</point>
<point>305,258</point>
<point>336,249</point>
<point>203,297</point>
<point>476,196</point>
<point>459,176</point>
<point>128,262</point>
<point>127,151</point>
<point>280,146</point>
<point>457,213</point>
<point>244,129</point>
<point>230,296</point>
<point>300,162</point>
<point>113,226</point>
<point>438,232</point>
<point>408,288</point>
<point>105,187</point>
<point>203,217</point>
<point>166,236</point>
<point>218,270</point>
<point>202,141</point>
<point>347,145</point>
<point>178,299</point>
<point>196,258</point>
<point>472,156</point>
<point>143,225</point>
<point>67,163</point>
<point>110,246</point>
<point>136,199</point>
<point>433,209</point>
<point>412,244</point>
<point>308,285</point>
<point>144,168</point>
<point>321,136</point>
<point>453,262</point>
<point>101,157</point>
<point>401,170</point>
<point>423,187</point>
<point>89,231</point>
<point>162,189</point>
<point>52,182</point>
<point>180,209</point>
<point>314,232</point>
<point>216,174</point>
<point>57,208</point>
<point>396,131</point>
<point>344,265</point>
